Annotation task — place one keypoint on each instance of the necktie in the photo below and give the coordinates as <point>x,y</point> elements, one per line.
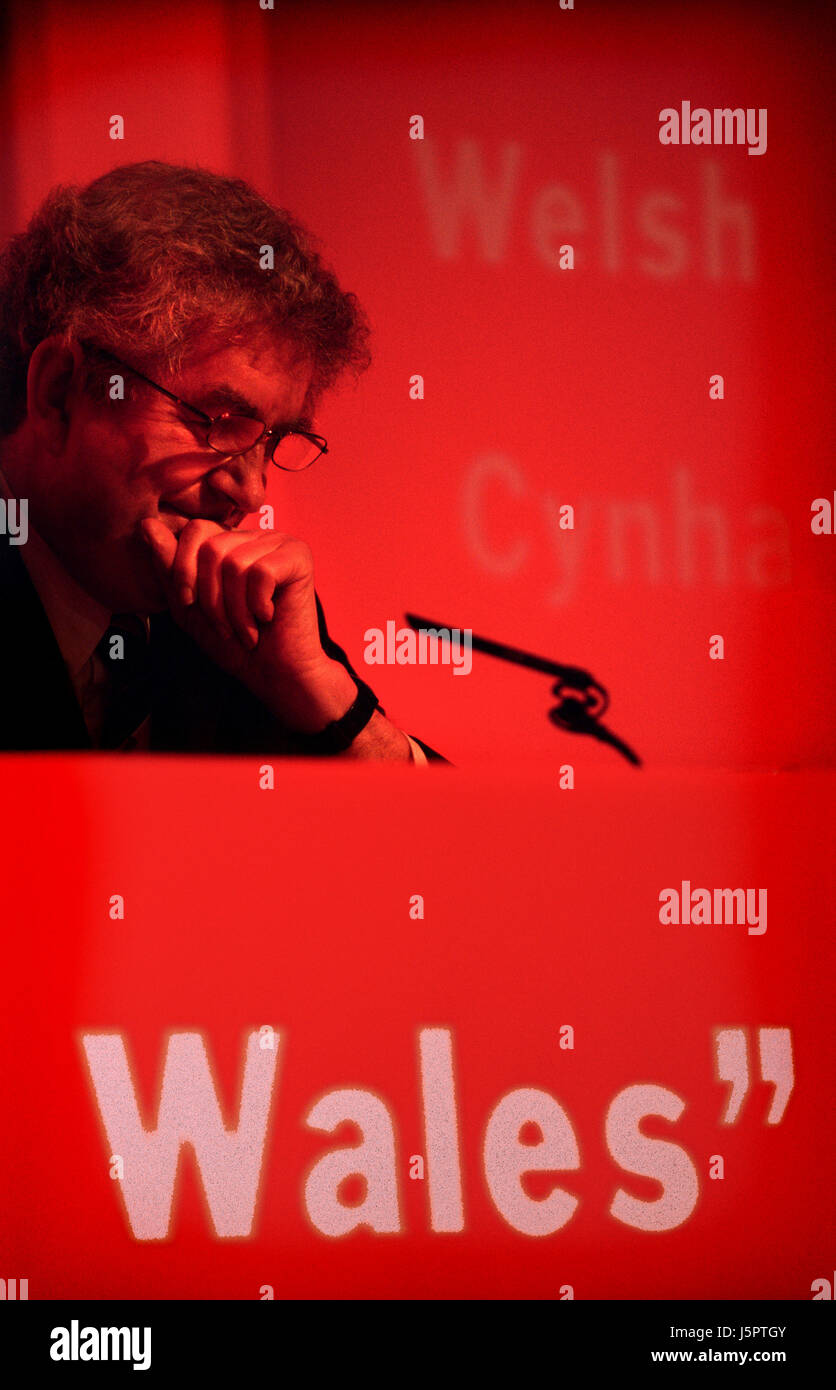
<point>124,651</point>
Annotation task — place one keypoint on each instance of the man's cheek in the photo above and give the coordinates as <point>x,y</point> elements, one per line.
<point>89,517</point>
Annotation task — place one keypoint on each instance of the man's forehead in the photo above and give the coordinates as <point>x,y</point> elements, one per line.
<point>263,380</point>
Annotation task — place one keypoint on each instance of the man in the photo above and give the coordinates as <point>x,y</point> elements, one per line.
<point>166,334</point>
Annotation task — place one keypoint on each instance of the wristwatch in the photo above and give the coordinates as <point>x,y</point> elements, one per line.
<point>341,733</point>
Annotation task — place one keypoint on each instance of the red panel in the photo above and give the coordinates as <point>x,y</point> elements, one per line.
<point>291,908</point>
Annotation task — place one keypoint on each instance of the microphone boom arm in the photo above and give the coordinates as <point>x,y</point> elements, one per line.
<point>582,700</point>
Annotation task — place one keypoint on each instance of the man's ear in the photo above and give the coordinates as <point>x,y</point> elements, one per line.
<point>51,385</point>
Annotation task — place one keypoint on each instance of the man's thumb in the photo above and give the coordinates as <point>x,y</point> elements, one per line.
<point>160,541</point>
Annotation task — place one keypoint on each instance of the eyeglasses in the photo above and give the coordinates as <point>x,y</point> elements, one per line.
<point>230,434</point>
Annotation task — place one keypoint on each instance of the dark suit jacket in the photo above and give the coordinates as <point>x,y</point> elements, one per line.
<point>195,707</point>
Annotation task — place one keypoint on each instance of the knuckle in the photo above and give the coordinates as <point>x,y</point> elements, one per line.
<point>303,554</point>
<point>260,576</point>
<point>198,528</point>
<point>233,565</point>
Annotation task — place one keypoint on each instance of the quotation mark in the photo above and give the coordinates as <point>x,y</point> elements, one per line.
<point>731,1053</point>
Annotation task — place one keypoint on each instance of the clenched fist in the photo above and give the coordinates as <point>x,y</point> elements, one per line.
<point>247,598</point>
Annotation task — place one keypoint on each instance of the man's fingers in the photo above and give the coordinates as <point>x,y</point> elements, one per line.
<point>285,563</point>
<point>235,566</point>
<point>183,578</point>
<point>260,589</point>
<point>209,584</point>
<point>230,577</point>
<point>253,571</point>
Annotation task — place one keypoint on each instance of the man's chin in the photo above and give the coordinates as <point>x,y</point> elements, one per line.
<point>142,593</point>
<point>160,606</point>
<point>119,575</point>
<point>144,590</point>
<point>154,599</point>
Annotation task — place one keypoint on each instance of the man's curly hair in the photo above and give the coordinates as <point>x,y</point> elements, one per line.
<point>151,260</point>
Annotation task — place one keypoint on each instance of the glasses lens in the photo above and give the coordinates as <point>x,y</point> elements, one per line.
<point>296,451</point>
<point>233,434</point>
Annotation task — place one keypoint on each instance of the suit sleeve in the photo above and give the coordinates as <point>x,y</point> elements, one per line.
<point>337,654</point>
<point>335,651</point>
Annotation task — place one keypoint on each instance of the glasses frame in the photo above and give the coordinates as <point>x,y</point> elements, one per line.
<point>211,420</point>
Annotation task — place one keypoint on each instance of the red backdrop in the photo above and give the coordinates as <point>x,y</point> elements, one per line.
<point>542,386</point>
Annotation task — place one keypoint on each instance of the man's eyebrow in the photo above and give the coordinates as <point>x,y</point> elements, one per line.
<point>227,397</point>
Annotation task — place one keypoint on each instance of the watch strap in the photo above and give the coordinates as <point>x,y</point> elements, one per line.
<point>339,735</point>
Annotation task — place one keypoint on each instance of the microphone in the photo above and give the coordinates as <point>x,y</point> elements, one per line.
<point>582,701</point>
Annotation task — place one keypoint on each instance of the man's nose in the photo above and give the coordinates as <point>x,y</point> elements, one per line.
<point>243,480</point>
